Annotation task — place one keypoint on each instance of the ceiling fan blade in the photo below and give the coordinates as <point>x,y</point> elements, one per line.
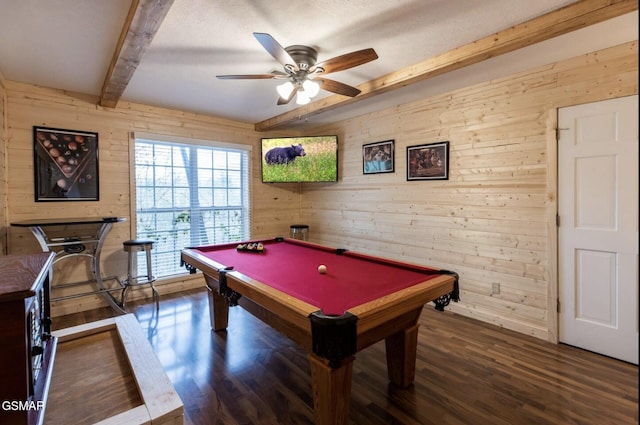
<point>346,61</point>
<point>280,74</point>
<point>337,87</point>
<point>276,50</point>
<point>246,77</point>
<point>282,101</point>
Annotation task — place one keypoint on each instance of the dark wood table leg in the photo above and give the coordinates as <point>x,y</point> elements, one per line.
<point>218,306</point>
<point>401,356</point>
<point>331,390</point>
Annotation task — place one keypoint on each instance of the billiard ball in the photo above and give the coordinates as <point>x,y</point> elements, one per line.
<point>322,269</point>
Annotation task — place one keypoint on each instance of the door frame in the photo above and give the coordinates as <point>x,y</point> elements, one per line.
<point>551,212</point>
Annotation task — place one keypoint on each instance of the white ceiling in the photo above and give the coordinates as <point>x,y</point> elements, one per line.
<point>69,44</point>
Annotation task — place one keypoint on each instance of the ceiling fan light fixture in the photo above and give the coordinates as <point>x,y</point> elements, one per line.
<point>311,88</point>
<point>285,89</point>
<point>302,98</point>
<point>302,69</point>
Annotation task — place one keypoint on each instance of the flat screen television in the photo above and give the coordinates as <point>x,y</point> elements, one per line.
<point>305,159</point>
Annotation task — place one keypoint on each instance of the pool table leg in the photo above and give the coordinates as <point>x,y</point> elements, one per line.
<point>218,307</point>
<point>401,356</point>
<point>331,390</point>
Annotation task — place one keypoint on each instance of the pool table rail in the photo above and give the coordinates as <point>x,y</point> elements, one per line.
<point>380,310</point>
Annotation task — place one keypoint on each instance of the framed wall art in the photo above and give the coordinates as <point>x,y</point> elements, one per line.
<point>65,165</point>
<point>428,162</point>
<point>378,157</point>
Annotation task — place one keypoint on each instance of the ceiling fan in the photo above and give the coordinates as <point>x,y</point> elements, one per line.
<point>302,73</point>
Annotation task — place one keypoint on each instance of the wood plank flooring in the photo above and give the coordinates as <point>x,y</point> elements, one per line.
<point>467,373</point>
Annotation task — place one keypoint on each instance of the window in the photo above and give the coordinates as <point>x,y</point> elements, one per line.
<point>189,194</point>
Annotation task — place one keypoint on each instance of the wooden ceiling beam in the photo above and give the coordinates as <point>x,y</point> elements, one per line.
<point>553,24</point>
<point>141,25</point>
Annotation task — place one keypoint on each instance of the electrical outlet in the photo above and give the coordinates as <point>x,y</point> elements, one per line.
<point>495,288</point>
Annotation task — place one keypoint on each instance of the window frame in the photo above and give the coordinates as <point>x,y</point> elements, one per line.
<point>245,177</point>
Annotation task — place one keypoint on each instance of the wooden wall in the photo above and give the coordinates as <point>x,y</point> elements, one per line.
<point>274,207</point>
<point>493,221</point>
<point>3,169</point>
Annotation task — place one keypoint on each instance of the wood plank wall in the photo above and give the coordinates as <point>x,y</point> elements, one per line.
<point>492,220</point>
<point>3,169</point>
<point>489,221</point>
<point>274,207</point>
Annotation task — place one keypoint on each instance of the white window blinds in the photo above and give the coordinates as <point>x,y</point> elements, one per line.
<point>189,193</point>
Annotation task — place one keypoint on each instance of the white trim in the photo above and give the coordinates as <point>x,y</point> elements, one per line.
<point>189,141</point>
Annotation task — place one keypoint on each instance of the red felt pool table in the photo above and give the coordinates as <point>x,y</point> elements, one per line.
<point>359,301</point>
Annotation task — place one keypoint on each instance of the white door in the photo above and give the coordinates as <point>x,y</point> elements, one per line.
<point>598,228</point>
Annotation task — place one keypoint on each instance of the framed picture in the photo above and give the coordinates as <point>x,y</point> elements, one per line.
<point>65,165</point>
<point>428,162</point>
<point>378,157</point>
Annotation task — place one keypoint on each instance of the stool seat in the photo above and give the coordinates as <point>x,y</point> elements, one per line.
<point>132,247</point>
<point>135,243</point>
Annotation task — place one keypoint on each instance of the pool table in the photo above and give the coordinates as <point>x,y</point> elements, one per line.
<point>358,301</point>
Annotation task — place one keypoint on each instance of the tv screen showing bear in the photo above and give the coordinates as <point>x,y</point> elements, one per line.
<point>300,159</point>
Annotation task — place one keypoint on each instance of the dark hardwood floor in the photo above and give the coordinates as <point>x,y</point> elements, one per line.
<point>467,373</point>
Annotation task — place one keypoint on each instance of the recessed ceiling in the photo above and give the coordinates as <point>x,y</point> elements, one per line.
<point>69,44</point>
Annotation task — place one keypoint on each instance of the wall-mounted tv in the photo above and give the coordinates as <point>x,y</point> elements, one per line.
<point>300,159</point>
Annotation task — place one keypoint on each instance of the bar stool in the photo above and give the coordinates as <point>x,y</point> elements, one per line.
<point>132,247</point>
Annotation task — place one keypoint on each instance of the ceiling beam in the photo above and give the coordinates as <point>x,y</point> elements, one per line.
<point>141,25</point>
<point>553,24</point>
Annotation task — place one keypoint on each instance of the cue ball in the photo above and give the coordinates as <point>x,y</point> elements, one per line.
<point>322,269</point>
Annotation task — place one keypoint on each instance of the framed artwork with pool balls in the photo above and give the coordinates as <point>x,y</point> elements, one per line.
<point>65,165</point>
